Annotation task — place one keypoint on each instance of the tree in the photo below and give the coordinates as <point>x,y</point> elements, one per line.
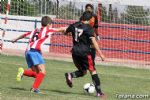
<point>24,7</point>
<point>115,16</point>
<point>69,11</point>
<point>135,15</point>
<point>3,4</point>
<point>110,13</point>
<point>103,14</point>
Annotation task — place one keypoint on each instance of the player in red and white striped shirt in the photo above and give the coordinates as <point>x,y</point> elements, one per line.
<point>33,54</point>
<point>38,37</point>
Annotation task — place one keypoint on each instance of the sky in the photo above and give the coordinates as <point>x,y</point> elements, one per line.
<point>128,2</point>
<point>116,3</point>
<point>122,2</point>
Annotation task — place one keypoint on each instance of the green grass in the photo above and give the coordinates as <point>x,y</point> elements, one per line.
<point>114,80</point>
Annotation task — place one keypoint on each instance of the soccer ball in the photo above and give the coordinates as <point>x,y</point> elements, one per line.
<point>89,88</point>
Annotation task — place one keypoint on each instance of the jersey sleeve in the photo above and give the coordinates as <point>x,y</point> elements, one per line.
<point>71,29</point>
<point>51,31</point>
<point>90,32</point>
<point>26,34</point>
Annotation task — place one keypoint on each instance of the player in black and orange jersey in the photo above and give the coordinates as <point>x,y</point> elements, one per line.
<point>83,37</point>
<point>94,24</point>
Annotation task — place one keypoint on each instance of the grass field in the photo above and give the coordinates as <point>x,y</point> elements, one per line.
<point>114,80</point>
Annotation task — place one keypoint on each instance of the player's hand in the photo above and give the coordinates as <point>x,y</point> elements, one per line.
<point>97,37</point>
<point>102,57</point>
<point>13,41</point>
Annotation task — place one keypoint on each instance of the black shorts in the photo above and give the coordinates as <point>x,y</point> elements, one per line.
<point>83,63</point>
<point>93,54</point>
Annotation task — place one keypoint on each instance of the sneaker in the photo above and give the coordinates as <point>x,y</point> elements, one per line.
<point>69,79</point>
<point>102,96</point>
<point>34,90</point>
<point>20,74</point>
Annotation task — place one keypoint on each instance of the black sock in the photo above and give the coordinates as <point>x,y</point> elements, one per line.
<point>76,74</point>
<point>96,82</point>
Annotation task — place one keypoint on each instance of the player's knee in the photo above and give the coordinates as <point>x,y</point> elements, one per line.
<point>44,72</point>
<point>41,69</point>
<point>93,72</point>
<point>84,73</point>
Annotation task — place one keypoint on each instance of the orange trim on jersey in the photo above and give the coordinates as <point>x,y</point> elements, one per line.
<point>92,21</point>
<point>90,62</point>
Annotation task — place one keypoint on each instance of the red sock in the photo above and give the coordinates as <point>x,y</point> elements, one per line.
<point>30,73</point>
<point>38,80</point>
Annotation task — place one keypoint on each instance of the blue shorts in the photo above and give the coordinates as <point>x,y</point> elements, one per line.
<point>33,58</point>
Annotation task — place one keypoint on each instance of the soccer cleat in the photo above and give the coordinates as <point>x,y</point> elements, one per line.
<point>34,90</point>
<point>102,96</point>
<point>20,74</point>
<point>69,79</point>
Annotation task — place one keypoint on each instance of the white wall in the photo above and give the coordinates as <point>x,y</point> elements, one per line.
<point>15,26</point>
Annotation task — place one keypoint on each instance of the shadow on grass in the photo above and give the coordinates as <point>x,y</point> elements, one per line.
<point>64,92</point>
<point>54,91</point>
<point>18,88</point>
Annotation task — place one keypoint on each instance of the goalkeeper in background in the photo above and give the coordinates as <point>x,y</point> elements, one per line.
<point>93,21</point>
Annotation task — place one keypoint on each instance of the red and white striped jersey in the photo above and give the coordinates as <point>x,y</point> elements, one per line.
<point>38,36</point>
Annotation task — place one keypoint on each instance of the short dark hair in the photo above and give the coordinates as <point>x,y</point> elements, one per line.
<point>89,5</point>
<point>87,15</point>
<point>46,20</point>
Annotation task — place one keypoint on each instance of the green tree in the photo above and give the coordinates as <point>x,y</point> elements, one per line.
<point>103,13</point>
<point>47,7</point>
<point>135,15</point>
<point>3,4</point>
<point>69,11</point>
<point>24,7</point>
<point>110,13</point>
<point>115,16</point>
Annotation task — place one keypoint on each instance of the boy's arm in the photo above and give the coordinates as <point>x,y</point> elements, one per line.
<point>54,30</point>
<point>20,37</point>
<point>69,30</point>
<point>96,27</point>
<point>61,29</point>
<point>97,48</point>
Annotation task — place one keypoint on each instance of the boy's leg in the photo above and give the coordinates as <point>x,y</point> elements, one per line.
<point>75,74</point>
<point>79,73</point>
<point>27,72</point>
<point>30,73</point>
<point>96,81</point>
<point>93,54</point>
<point>39,66</point>
<point>40,76</point>
<point>78,62</point>
<point>95,77</point>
